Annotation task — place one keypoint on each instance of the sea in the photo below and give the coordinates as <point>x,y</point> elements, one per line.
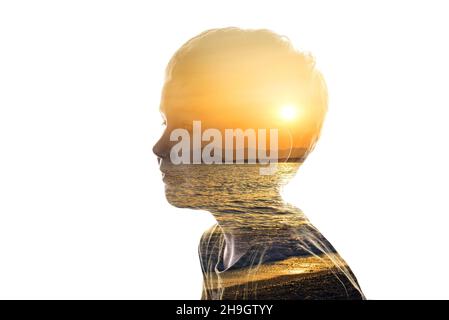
<point>248,208</point>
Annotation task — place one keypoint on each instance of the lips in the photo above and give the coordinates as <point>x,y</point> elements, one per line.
<point>159,162</point>
<point>164,174</point>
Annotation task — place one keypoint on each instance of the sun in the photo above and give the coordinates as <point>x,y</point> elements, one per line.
<point>288,112</point>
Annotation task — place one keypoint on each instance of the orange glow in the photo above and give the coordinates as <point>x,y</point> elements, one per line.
<point>228,80</point>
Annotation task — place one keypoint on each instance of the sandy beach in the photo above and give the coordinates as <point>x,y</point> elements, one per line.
<point>302,278</point>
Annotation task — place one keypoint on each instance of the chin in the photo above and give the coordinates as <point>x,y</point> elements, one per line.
<point>174,195</point>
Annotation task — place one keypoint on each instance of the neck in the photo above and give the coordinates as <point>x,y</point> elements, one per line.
<point>257,225</point>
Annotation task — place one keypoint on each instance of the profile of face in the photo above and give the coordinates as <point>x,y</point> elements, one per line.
<point>242,109</point>
<point>239,79</point>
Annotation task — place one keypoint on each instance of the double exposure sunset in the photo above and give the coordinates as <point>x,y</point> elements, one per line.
<point>233,80</point>
<point>232,97</point>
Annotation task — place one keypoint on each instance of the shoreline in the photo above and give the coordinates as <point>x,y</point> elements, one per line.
<point>297,278</point>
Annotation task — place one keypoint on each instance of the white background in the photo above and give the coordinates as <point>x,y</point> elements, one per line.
<point>82,208</point>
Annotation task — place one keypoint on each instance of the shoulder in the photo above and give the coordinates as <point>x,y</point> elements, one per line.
<point>210,247</point>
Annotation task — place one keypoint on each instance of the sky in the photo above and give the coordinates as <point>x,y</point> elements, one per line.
<point>233,78</point>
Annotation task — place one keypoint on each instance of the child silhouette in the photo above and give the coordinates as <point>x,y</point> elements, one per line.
<point>261,247</point>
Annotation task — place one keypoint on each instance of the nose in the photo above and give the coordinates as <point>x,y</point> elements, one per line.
<point>157,150</point>
<point>160,148</point>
